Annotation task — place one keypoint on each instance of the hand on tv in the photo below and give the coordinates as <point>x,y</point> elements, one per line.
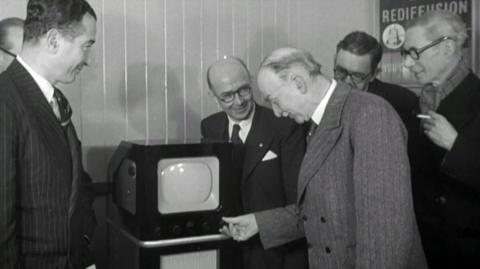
<point>439,130</point>
<point>240,228</point>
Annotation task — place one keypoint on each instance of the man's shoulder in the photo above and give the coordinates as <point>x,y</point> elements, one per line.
<point>364,101</point>
<point>267,117</point>
<point>391,90</point>
<point>214,118</point>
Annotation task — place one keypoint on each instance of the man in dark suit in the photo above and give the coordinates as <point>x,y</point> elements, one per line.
<point>357,63</point>
<point>354,202</point>
<point>267,152</point>
<point>447,188</point>
<point>46,219</point>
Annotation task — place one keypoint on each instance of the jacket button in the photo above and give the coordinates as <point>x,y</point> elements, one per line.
<point>328,250</point>
<point>323,220</point>
<point>304,218</point>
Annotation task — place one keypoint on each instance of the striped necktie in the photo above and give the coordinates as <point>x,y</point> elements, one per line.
<point>61,108</point>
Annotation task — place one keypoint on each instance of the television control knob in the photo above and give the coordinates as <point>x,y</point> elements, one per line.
<point>157,231</point>
<point>190,225</point>
<point>132,170</point>
<point>176,229</point>
<point>206,226</point>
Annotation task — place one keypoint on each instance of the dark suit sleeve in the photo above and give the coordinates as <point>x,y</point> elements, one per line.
<point>462,162</point>
<point>292,151</point>
<point>8,153</point>
<point>385,224</point>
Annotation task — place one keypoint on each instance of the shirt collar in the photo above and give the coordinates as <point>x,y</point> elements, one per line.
<point>45,86</point>
<point>245,125</point>
<point>320,110</point>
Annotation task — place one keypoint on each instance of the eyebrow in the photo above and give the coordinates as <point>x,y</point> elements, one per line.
<point>246,85</point>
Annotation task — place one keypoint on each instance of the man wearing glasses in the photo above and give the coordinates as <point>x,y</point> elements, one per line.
<point>447,191</point>
<point>268,152</point>
<point>356,63</point>
<point>11,37</point>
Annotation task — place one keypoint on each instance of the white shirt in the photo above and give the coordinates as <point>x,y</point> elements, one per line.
<point>245,126</point>
<point>43,84</point>
<point>320,110</point>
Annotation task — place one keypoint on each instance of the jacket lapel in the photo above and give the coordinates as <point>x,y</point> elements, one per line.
<point>257,143</point>
<point>458,107</point>
<point>43,117</point>
<point>324,139</point>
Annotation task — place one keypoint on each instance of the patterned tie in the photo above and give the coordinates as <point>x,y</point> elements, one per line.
<point>311,130</point>
<point>430,98</point>
<point>61,108</point>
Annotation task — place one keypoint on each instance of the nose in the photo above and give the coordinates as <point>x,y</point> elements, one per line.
<point>237,99</point>
<point>86,58</point>
<point>408,61</point>
<point>348,80</point>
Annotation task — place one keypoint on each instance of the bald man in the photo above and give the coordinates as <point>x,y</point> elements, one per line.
<point>267,155</point>
<point>11,39</point>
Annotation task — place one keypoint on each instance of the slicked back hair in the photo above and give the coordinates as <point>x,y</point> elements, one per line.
<point>64,15</point>
<point>294,57</point>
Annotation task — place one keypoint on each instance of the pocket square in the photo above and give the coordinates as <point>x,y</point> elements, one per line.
<point>269,156</point>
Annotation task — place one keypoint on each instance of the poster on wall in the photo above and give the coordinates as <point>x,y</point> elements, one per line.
<point>394,15</point>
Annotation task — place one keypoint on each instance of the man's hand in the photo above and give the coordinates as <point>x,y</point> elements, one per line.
<point>439,130</point>
<point>240,228</point>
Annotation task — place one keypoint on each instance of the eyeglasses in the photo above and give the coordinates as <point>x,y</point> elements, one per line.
<point>415,53</point>
<point>228,97</point>
<point>341,73</point>
<point>8,52</point>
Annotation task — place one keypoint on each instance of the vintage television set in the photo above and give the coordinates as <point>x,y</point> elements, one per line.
<point>168,198</point>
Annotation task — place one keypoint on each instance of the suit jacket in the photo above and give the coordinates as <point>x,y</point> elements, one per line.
<point>447,188</point>
<point>46,217</point>
<point>405,103</point>
<point>354,201</point>
<point>266,183</point>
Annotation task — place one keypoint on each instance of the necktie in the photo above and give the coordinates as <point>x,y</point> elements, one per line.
<point>236,135</point>
<point>311,130</point>
<point>238,162</point>
<point>61,108</point>
<point>430,98</point>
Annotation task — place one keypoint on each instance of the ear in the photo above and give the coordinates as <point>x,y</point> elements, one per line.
<point>299,82</point>
<point>53,42</point>
<point>449,47</point>
<point>377,72</point>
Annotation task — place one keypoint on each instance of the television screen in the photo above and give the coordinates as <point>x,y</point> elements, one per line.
<point>188,184</point>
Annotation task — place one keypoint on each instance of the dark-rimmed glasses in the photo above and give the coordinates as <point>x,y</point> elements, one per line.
<point>228,97</point>
<point>8,52</point>
<point>414,53</point>
<point>341,73</point>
